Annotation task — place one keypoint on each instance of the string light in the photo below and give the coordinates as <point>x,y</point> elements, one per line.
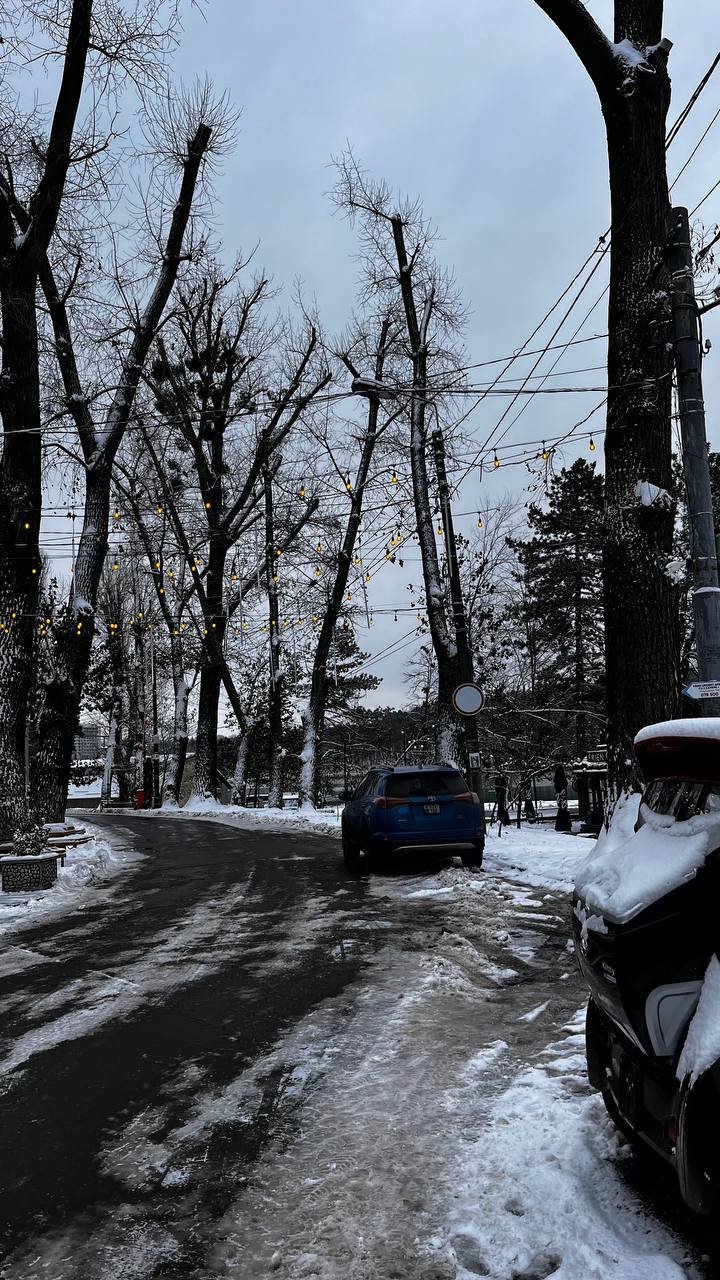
<point>496,460</point>
<point>317,572</point>
<point>393,477</point>
<point>301,490</point>
<point>544,455</point>
<point>592,446</point>
<point>368,576</point>
<point>348,485</point>
<point>116,515</point>
<point>208,506</point>
<point>479,521</point>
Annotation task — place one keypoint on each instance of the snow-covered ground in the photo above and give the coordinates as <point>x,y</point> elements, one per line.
<point>89,871</point>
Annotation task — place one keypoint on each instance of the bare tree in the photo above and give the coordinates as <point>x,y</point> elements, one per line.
<point>48,185</point>
<point>220,366</point>
<point>641,603</point>
<point>354,491</point>
<point>398,266</point>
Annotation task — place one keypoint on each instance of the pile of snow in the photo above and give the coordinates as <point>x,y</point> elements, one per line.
<point>320,821</point>
<point>627,870</point>
<point>89,868</point>
<point>538,1193</point>
<point>535,855</point>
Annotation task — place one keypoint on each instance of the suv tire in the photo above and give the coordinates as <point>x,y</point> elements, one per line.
<point>351,852</point>
<point>473,857</point>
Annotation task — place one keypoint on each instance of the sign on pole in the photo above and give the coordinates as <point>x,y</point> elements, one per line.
<point>468,699</point>
<point>703,689</point>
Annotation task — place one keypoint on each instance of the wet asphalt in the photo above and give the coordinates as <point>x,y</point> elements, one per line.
<point>223,997</point>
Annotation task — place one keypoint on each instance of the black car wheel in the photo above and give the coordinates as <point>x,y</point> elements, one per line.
<point>351,852</point>
<point>473,857</point>
<point>698,1159</point>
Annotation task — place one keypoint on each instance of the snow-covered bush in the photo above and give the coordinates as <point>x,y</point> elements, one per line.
<point>29,842</point>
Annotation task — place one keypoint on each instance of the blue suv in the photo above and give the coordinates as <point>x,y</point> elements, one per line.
<point>413,807</point>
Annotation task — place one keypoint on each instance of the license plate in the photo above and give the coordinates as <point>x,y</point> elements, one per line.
<point>432,808</point>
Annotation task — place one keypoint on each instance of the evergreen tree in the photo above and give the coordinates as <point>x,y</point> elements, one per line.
<point>560,599</point>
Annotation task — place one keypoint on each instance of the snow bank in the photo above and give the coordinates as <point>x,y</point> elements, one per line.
<point>627,870</point>
<point>535,855</point>
<point>89,869</point>
<point>537,1190</point>
<point>320,821</point>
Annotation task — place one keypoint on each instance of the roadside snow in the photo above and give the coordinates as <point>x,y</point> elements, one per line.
<point>538,1193</point>
<point>89,870</point>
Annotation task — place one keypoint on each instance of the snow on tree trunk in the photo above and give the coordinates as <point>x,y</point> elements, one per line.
<point>106,787</point>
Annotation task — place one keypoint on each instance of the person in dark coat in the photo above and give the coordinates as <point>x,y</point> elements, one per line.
<point>560,782</point>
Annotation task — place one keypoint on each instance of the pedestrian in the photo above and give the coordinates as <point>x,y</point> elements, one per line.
<point>501,783</point>
<point>560,782</point>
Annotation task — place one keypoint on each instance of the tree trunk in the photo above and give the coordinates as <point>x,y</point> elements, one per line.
<point>60,698</point>
<point>178,750</point>
<point>205,783</point>
<point>20,501</point>
<point>240,780</point>
<point>642,637</point>
<point>641,604</point>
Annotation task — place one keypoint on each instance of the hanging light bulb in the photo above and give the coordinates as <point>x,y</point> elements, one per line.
<point>116,566</point>
<point>479,521</point>
<point>348,485</point>
<point>319,548</point>
<point>349,595</point>
<point>496,460</point>
<point>440,532</point>
<point>116,515</point>
<point>159,511</point>
<point>301,490</point>
<point>592,446</point>
<point>544,455</point>
<point>393,477</point>
<point>317,572</point>
<point>368,576</point>
<point>208,506</point>
<point>395,618</point>
<point>371,621</point>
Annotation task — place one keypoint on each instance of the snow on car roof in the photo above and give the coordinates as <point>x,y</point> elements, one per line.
<point>693,727</point>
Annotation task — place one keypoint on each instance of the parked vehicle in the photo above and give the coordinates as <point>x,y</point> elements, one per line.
<point>413,807</point>
<point>647,933</point>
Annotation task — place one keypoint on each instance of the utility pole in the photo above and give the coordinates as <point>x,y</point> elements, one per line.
<point>688,363</point>
<point>465,662</point>
<point>275,728</point>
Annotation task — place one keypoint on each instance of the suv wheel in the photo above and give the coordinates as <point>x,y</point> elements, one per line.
<point>350,852</point>
<point>473,857</point>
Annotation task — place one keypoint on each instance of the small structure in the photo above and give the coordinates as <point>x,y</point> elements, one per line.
<point>591,773</point>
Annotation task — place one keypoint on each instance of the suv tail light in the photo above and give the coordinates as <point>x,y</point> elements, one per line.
<point>466,797</point>
<point>388,802</point>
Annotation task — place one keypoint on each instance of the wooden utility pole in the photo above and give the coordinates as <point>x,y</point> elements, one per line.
<point>462,641</point>
<point>696,468</point>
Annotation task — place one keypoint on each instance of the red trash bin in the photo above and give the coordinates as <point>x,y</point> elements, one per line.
<point>140,798</point>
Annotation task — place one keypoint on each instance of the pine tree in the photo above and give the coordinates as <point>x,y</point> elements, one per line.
<point>561,600</point>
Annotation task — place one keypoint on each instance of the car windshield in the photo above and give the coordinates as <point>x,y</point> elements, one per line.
<point>682,800</point>
<point>405,785</point>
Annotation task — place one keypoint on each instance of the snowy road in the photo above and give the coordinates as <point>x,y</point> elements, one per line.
<point>243,1062</point>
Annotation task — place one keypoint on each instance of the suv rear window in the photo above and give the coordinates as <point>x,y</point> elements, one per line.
<point>682,800</point>
<point>404,785</point>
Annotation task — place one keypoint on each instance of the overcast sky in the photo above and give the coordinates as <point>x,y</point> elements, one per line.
<point>479,108</point>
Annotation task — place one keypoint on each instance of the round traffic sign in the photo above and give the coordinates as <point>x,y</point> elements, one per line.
<point>468,699</point>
